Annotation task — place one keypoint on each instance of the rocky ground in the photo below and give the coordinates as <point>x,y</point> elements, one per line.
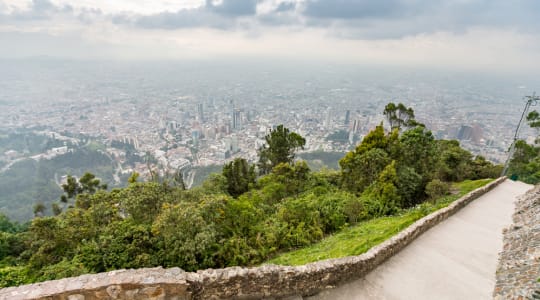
<point>518,273</point>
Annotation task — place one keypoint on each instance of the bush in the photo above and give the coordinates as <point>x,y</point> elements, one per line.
<point>436,189</point>
<point>302,221</point>
<point>63,269</point>
<point>331,210</point>
<point>13,276</point>
<point>354,210</point>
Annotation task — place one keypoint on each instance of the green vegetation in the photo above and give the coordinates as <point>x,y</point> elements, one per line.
<point>399,116</point>
<point>234,218</point>
<point>28,182</point>
<point>26,142</point>
<point>362,237</point>
<point>316,161</point>
<point>525,163</point>
<point>95,146</point>
<point>240,176</point>
<point>340,136</point>
<point>280,147</point>
<point>319,160</point>
<point>203,173</point>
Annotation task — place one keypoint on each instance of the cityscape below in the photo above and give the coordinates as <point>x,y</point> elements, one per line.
<point>191,115</point>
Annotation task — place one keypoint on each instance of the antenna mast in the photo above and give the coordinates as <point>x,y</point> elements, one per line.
<point>531,100</point>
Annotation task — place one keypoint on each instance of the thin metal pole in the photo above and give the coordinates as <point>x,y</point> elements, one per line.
<point>530,100</point>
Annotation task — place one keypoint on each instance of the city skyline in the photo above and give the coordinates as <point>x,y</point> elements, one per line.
<point>217,109</point>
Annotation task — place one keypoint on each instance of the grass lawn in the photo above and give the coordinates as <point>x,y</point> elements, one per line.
<point>360,238</point>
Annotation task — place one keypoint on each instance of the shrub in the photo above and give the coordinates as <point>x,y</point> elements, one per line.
<point>436,189</point>
<point>354,210</point>
<point>13,276</point>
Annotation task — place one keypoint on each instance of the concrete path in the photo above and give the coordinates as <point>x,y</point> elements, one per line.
<point>456,259</point>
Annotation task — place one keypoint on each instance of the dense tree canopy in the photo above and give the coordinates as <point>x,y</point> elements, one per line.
<point>413,155</point>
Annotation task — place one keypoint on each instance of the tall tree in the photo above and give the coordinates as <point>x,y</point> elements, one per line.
<point>280,147</point>
<point>418,150</point>
<point>359,168</point>
<point>90,184</point>
<point>87,184</point>
<point>399,116</point>
<point>240,175</point>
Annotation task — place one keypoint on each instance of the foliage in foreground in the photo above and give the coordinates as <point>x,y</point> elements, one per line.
<point>235,218</point>
<point>360,238</point>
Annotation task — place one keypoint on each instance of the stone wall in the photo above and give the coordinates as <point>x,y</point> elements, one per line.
<point>155,283</point>
<point>265,282</point>
<point>519,262</point>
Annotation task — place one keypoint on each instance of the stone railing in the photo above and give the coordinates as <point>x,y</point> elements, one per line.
<point>265,282</point>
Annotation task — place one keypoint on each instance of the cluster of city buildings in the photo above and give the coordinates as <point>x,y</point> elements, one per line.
<point>202,123</point>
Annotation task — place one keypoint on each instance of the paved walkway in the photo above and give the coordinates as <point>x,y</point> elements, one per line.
<point>456,259</point>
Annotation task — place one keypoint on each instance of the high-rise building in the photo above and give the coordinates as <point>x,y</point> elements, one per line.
<point>465,132</point>
<point>234,144</point>
<point>351,137</point>
<point>195,135</point>
<point>477,133</point>
<point>233,122</point>
<point>237,119</point>
<point>328,119</point>
<point>356,126</point>
<point>200,112</point>
<point>347,117</point>
<point>162,123</point>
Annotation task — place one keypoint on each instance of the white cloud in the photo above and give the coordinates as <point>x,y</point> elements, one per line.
<point>143,7</point>
<point>11,6</point>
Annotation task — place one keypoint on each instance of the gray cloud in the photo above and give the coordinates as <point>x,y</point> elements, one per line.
<point>233,7</point>
<point>181,19</point>
<point>283,15</point>
<point>285,7</point>
<point>350,19</point>
<point>220,16</point>
<point>353,9</point>
<point>43,5</point>
<point>399,18</point>
<point>359,18</point>
<point>38,10</point>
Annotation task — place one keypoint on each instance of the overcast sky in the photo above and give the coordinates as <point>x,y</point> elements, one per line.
<point>463,34</point>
